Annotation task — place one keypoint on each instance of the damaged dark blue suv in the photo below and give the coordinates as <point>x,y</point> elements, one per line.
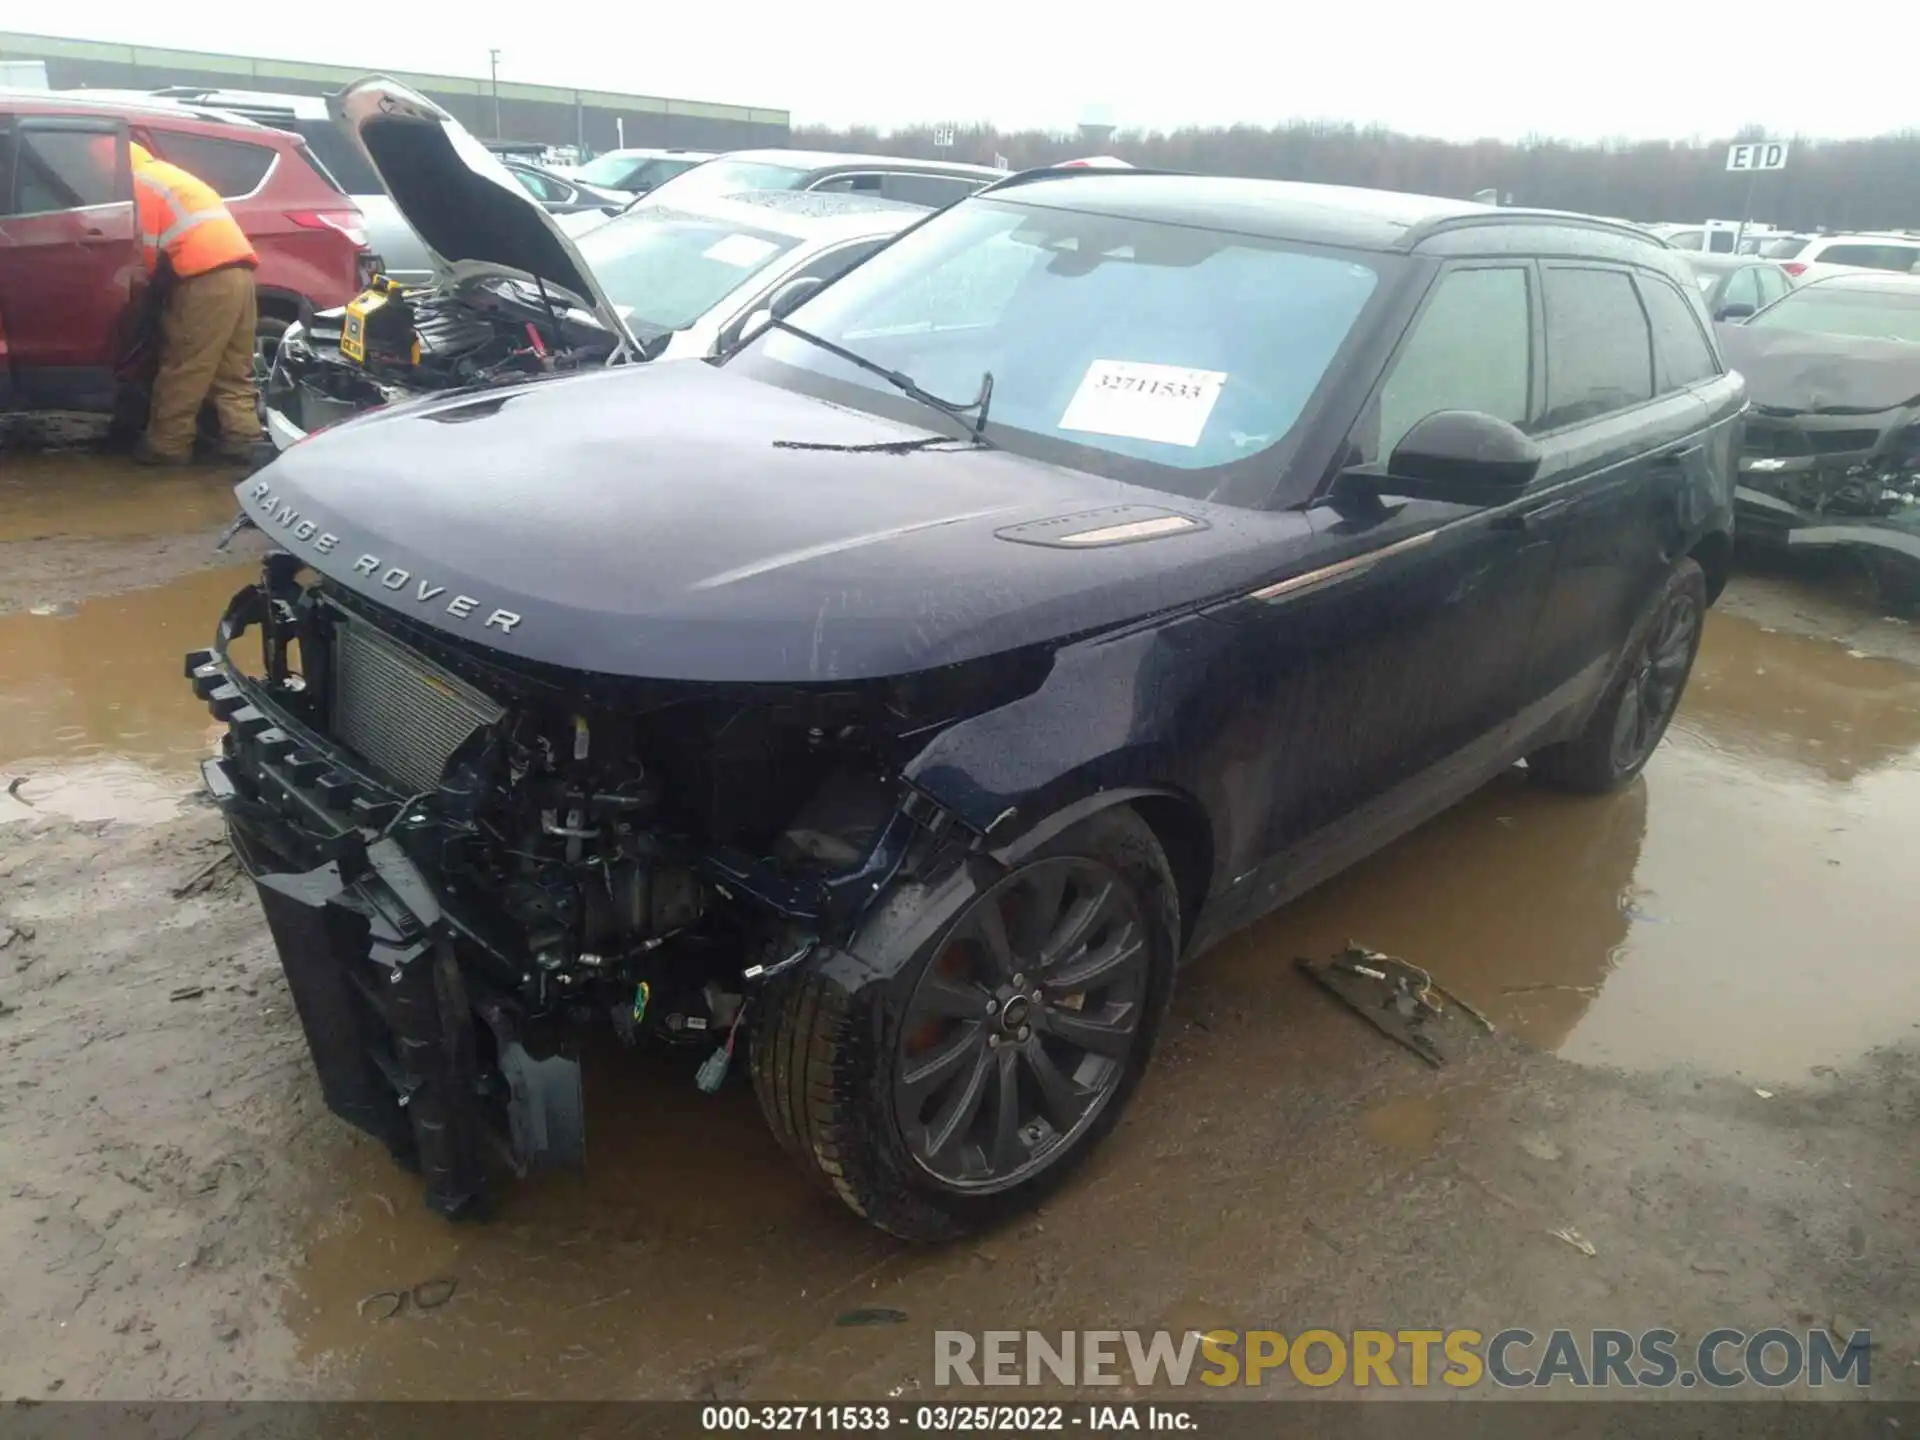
<point>890,708</point>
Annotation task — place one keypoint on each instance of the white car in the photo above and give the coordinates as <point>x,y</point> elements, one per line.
<point>514,298</point>
<point>1810,258</point>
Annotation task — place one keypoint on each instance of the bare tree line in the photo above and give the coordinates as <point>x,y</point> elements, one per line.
<point>1839,184</point>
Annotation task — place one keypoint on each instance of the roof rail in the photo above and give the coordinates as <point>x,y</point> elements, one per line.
<point>1067,172</point>
<point>1476,219</point>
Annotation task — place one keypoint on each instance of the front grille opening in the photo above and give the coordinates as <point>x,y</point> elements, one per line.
<point>397,709</point>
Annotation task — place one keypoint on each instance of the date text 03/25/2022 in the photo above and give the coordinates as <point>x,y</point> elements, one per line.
<point>947,1419</point>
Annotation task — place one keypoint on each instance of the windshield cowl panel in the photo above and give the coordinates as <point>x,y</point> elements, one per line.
<point>1161,354</point>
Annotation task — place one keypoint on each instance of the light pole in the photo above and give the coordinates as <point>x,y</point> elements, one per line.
<point>493,64</point>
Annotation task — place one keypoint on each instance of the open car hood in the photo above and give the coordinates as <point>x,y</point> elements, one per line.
<point>471,214</point>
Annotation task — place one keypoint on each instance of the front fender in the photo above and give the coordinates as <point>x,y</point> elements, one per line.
<point>1120,718</point>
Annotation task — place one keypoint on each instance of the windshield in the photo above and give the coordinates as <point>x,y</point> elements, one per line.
<point>732,177</point>
<point>610,169</point>
<point>1842,310</point>
<point>1156,353</point>
<point>667,269</point>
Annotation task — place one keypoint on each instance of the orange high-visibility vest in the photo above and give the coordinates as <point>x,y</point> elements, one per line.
<point>181,217</point>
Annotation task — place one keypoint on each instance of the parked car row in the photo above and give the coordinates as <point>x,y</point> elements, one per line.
<point>72,288</point>
<point>889,702</point>
<point>323,217</point>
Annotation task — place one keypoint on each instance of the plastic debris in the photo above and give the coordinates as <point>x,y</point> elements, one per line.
<point>1763,1094</point>
<point>872,1315</point>
<point>1574,1238</point>
<point>1395,996</point>
<point>187,992</point>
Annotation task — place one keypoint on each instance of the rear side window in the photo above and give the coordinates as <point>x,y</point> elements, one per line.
<point>1773,285</point>
<point>232,167</point>
<point>1870,257</point>
<point>339,158</point>
<point>63,170</point>
<point>1743,288</point>
<point>930,190</point>
<point>1685,357</point>
<point>850,184</point>
<point>1471,349</point>
<point>1599,349</point>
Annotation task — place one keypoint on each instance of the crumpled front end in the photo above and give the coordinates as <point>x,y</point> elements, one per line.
<point>1814,480</point>
<point>464,862</point>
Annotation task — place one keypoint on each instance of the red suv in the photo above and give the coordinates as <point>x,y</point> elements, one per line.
<point>72,289</point>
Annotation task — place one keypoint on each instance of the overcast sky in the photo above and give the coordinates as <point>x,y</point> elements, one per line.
<point>1461,69</point>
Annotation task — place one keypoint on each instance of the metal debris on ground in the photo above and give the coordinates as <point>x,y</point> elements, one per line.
<point>1574,1238</point>
<point>208,876</point>
<point>1398,998</point>
<point>187,992</point>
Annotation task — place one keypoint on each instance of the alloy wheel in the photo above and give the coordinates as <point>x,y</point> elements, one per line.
<point>1653,687</point>
<point>1021,1029</point>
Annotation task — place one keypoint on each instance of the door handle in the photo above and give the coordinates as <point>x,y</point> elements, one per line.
<point>1531,519</point>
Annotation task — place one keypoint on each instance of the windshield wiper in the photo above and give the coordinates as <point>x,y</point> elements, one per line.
<point>973,414</point>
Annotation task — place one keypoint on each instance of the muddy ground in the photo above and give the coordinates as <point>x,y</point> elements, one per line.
<point>1707,1063</point>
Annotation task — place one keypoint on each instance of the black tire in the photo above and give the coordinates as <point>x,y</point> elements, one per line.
<point>1644,696</point>
<point>831,1057</point>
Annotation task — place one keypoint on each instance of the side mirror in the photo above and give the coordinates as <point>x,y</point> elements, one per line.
<point>1457,457</point>
<point>783,302</point>
<point>1736,311</point>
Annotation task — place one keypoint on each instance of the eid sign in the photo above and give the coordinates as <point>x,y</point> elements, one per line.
<point>1758,155</point>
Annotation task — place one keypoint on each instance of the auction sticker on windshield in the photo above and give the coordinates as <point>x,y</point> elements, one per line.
<point>1141,401</point>
<point>741,250</point>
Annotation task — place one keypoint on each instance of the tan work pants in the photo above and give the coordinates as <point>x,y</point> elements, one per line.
<point>206,352</point>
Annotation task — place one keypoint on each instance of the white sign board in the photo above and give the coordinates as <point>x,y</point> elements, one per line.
<point>1758,155</point>
<point>943,136</point>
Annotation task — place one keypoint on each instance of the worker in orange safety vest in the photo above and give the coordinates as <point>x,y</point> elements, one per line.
<point>191,244</point>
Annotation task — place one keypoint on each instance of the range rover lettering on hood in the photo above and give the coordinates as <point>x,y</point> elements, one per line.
<point>282,516</point>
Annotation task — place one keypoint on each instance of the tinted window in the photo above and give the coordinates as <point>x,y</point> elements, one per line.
<point>850,184</point>
<point>537,185</point>
<point>231,167</point>
<point>1471,349</point>
<point>1599,351</point>
<point>1743,288</point>
<point>1720,242</point>
<point>1685,357</point>
<point>338,157</point>
<point>1871,257</point>
<point>930,190</point>
<point>63,170</point>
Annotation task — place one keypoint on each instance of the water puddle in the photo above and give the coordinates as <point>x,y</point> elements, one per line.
<point>96,721</point>
<point>70,494</point>
<point>582,1285</point>
<point>1736,910</point>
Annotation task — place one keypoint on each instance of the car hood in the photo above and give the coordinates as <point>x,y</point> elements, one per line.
<point>681,522</point>
<point>1793,371</point>
<point>473,217</point>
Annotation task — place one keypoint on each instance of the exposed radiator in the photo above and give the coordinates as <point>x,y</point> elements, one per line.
<point>396,709</point>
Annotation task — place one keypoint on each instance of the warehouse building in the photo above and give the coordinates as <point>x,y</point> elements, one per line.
<point>593,120</point>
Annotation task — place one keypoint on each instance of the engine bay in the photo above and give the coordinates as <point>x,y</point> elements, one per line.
<point>492,332</point>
